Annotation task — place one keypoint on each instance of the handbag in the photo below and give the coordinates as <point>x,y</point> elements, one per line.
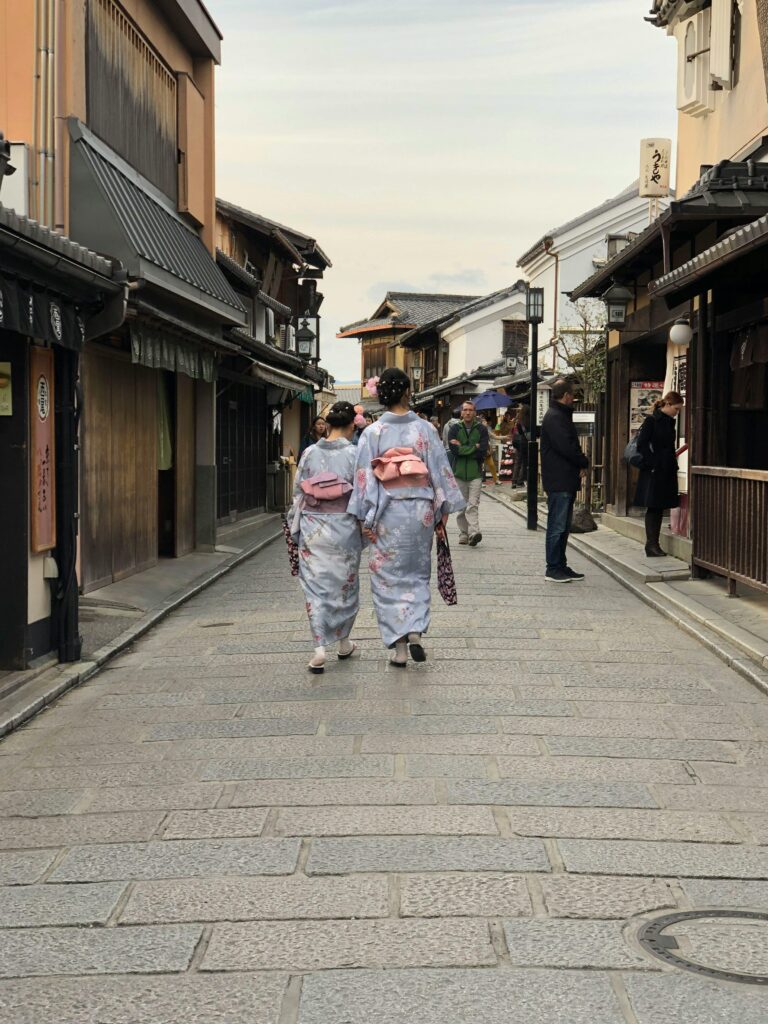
<point>446,581</point>
<point>325,486</point>
<point>399,467</point>
<point>632,456</point>
<point>293,547</point>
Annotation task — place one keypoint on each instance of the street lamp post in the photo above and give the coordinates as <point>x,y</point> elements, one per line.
<point>534,314</point>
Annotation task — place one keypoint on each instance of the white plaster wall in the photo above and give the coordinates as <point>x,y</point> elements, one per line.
<point>39,592</point>
<point>477,339</point>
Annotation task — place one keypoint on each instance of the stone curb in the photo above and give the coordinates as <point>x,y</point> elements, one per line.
<point>47,686</point>
<point>733,656</point>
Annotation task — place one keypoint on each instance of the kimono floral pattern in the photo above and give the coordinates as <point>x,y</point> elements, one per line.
<point>329,547</point>
<point>403,520</point>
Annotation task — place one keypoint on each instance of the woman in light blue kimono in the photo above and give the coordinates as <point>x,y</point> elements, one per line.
<point>399,515</point>
<point>328,537</point>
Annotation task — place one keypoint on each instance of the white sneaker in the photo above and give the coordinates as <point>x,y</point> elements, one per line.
<point>463,538</point>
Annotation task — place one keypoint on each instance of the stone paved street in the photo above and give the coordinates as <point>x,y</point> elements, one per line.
<point>206,833</point>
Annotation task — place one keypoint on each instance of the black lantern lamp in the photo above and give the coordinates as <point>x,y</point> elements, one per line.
<point>6,168</point>
<point>617,299</point>
<point>534,305</point>
<point>534,314</point>
<point>305,339</point>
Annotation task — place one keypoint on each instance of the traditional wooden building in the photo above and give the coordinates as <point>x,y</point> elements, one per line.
<point>55,296</point>
<point>266,394</point>
<point>399,313</point>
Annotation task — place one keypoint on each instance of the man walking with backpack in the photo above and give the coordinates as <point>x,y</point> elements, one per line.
<point>563,463</point>
<point>467,450</point>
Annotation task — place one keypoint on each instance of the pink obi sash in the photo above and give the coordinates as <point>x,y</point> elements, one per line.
<point>326,492</point>
<point>399,467</point>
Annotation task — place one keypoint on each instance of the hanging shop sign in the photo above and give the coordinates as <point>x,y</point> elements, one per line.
<point>42,461</point>
<point>642,395</point>
<point>655,160</point>
<point>39,313</point>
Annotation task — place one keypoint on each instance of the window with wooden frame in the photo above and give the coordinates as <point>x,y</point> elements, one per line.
<point>131,95</point>
<point>514,344</point>
<point>374,358</point>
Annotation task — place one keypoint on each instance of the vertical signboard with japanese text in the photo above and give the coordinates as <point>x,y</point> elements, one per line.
<point>655,161</point>
<point>42,461</point>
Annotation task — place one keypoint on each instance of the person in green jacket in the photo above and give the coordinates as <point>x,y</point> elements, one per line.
<point>467,450</point>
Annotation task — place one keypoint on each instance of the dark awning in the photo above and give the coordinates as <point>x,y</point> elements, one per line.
<point>115,210</point>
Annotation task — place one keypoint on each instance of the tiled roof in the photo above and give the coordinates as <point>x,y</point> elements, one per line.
<point>409,310</point>
<point>473,306</point>
<point>307,247</point>
<point>609,204</point>
<point>40,235</point>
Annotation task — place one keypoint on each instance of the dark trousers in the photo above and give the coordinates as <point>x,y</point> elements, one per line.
<point>560,509</point>
<point>653,518</point>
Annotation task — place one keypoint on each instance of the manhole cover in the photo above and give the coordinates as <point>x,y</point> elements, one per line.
<point>730,945</point>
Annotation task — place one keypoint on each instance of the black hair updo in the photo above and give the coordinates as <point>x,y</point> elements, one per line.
<point>341,414</point>
<point>392,385</point>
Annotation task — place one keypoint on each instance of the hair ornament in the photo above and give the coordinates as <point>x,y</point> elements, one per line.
<point>372,386</point>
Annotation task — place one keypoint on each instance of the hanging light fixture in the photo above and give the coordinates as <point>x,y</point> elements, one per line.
<point>680,333</point>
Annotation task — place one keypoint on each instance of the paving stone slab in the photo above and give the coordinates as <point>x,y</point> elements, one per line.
<point>191,999</point>
<point>314,792</point>
<point>754,776</point>
<point>24,833</point>
<point>459,996</point>
<point>99,775</point>
<point>227,823</point>
<point>93,753</point>
<point>451,744</point>
<point>359,766</point>
<point>533,708</point>
<point>176,858</point>
<point>726,894</point>
<point>382,821</point>
<point>682,750</point>
<point>594,769</point>
<point>670,712</point>
<point>677,997</point>
<point>470,895</point>
<point>706,860</point>
<point>712,798</point>
<point>255,747</point>
<point>147,798</point>
<point>425,853</point>
<point>427,725</point>
<point>588,823</point>
<point>368,706</point>
<point>301,946</point>
<point>550,794</point>
<point>285,726</point>
<point>46,951</point>
<point>34,906</point>
<point>244,899</point>
<point>15,803</point>
<point>572,944</point>
<point>25,868</point>
<point>598,898</point>
<point>443,766</point>
<point>650,728</point>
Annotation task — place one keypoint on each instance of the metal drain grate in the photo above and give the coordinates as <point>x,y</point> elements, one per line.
<point>652,938</point>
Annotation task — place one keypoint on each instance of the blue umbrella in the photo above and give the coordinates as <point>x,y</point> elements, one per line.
<point>492,400</point>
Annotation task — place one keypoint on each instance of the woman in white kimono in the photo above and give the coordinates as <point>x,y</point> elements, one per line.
<point>399,498</point>
<point>328,537</point>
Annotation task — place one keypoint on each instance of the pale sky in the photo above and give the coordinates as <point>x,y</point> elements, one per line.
<point>427,144</point>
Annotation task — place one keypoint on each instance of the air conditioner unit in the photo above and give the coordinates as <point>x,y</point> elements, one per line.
<point>288,338</point>
<point>694,92</point>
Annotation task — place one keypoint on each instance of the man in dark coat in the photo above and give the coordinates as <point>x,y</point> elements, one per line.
<point>657,485</point>
<point>563,463</point>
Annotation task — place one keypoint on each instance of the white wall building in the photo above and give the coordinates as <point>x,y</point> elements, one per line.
<point>567,255</point>
<point>476,334</point>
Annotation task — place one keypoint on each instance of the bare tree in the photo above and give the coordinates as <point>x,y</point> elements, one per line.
<point>581,346</point>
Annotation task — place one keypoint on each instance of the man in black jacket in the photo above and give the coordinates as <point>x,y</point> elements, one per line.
<point>563,463</point>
